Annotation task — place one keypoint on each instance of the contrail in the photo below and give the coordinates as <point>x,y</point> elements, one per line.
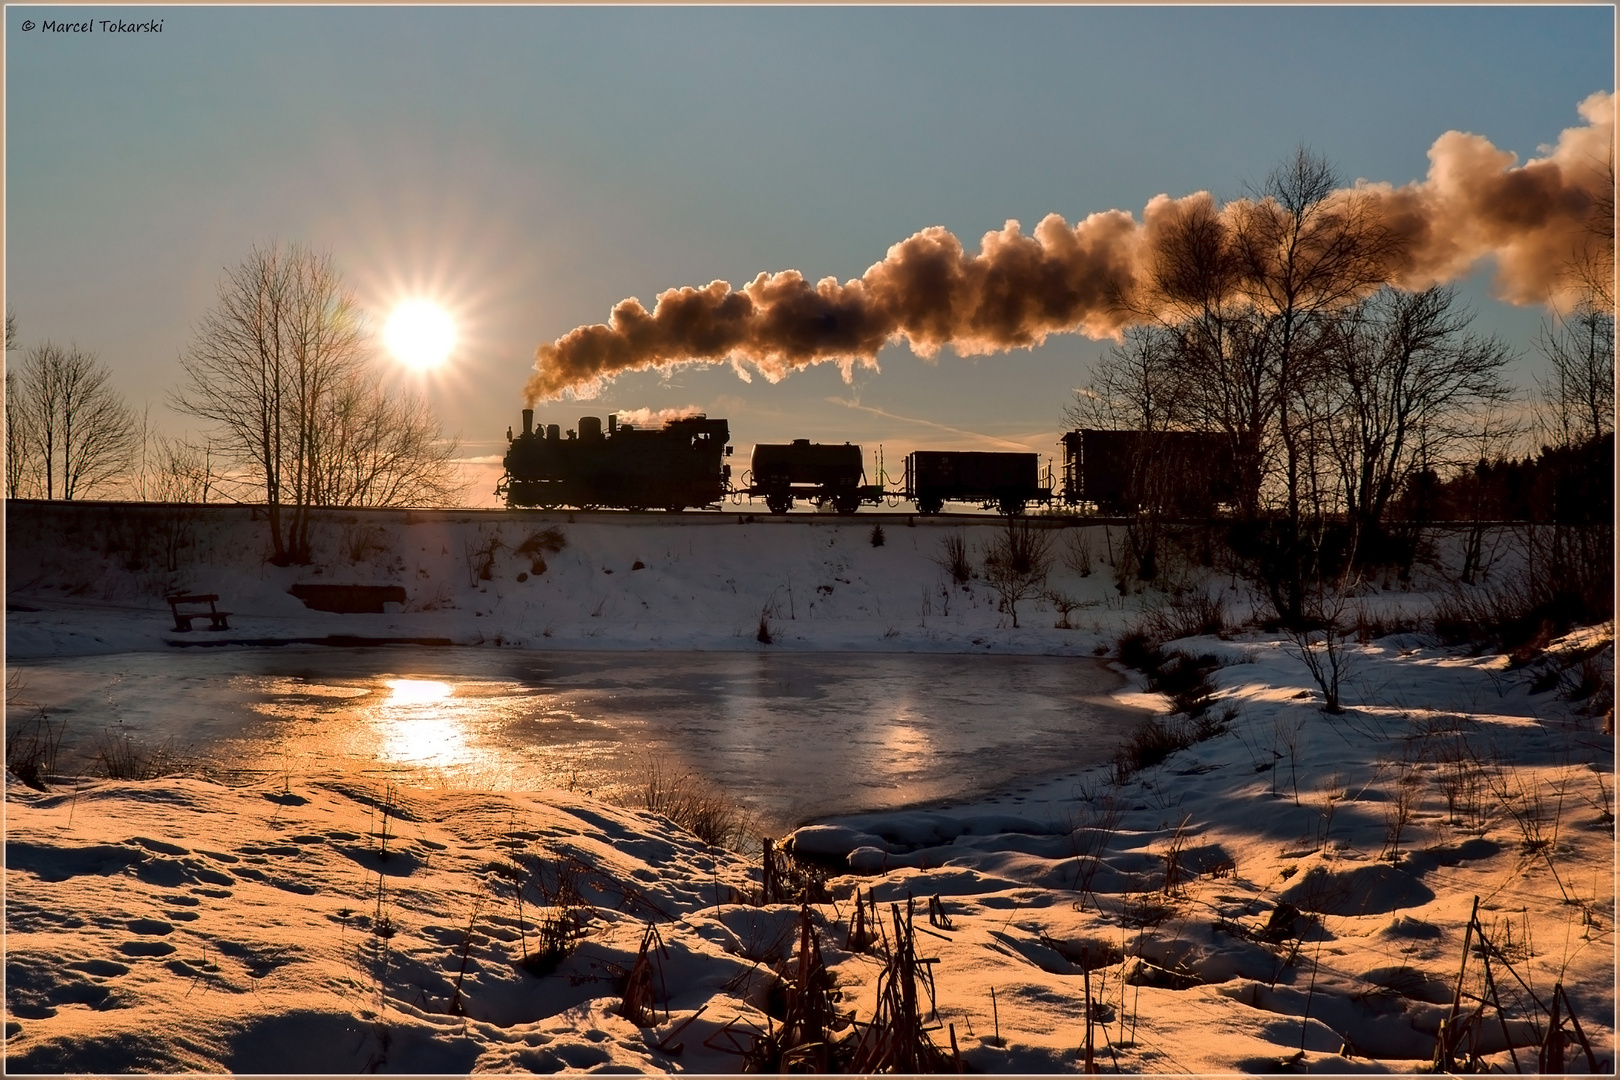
<point>926,423</point>
<point>1093,277</point>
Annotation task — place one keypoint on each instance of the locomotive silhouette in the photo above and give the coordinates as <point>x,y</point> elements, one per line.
<point>682,464</point>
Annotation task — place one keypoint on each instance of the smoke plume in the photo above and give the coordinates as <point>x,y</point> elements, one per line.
<point>1092,278</point>
<point>656,418</point>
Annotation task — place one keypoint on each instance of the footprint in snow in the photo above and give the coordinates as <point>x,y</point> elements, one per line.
<point>146,948</point>
<point>150,926</point>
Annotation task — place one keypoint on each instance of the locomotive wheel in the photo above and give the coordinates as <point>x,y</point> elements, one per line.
<point>779,504</point>
<point>930,504</point>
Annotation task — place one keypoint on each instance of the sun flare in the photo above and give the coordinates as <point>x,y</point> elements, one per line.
<point>420,334</point>
<point>417,691</point>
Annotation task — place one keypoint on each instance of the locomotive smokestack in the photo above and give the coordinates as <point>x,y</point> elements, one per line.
<point>528,421</point>
<point>1111,271</point>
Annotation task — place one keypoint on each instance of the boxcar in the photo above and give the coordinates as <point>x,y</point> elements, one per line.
<point>1178,472</point>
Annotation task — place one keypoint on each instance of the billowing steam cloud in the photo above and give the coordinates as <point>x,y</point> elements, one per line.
<point>1090,277</point>
<point>655,418</point>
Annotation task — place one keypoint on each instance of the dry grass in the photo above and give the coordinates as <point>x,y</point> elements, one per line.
<point>32,747</point>
<point>117,756</point>
<point>696,806</point>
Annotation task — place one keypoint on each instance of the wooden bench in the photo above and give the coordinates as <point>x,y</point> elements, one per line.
<point>182,619</point>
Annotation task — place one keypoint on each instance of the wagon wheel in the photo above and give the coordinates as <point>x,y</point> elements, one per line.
<point>846,504</point>
<point>930,504</point>
<point>674,508</point>
<point>779,504</point>
<point>1011,506</point>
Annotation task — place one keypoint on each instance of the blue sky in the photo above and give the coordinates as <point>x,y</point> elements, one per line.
<point>530,166</point>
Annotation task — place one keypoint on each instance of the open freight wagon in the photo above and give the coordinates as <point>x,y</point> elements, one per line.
<point>1007,482</point>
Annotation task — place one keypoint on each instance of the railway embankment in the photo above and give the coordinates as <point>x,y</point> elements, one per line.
<point>93,577</point>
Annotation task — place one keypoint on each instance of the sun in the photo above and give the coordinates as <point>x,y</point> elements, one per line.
<point>420,334</point>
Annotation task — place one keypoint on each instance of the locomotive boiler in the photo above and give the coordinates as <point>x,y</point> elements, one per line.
<point>624,467</point>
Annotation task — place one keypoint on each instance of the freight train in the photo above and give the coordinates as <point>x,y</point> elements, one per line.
<point>682,465</point>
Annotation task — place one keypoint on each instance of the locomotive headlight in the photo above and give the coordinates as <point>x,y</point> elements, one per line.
<point>420,334</point>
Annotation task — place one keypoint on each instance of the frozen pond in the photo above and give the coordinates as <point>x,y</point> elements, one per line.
<point>791,735</point>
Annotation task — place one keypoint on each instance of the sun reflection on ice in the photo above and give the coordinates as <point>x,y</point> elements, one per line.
<point>416,727</point>
<point>416,691</point>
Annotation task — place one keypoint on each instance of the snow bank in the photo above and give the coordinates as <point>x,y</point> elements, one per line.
<point>1293,893</point>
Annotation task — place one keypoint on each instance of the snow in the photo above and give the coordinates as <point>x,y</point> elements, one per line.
<point>1291,894</point>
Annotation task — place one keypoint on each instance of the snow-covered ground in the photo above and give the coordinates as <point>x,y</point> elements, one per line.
<point>1291,894</point>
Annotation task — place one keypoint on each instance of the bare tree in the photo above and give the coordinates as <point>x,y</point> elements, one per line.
<point>1137,386</point>
<point>1404,385</point>
<point>283,333</point>
<point>1578,393</point>
<point>1592,266</point>
<point>377,449</point>
<point>177,471</point>
<point>1250,293</point>
<point>74,432</point>
<point>282,366</point>
<point>19,438</point>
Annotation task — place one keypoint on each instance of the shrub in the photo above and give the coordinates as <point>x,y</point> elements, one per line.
<point>877,536</point>
<point>537,545</point>
<point>1184,679</point>
<point>953,558</point>
<point>1017,562</point>
<point>549,539</point>
<point>1157,737</point>
<point>1191,614</point>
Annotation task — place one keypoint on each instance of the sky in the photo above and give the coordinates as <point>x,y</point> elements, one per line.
<point>530,167</point>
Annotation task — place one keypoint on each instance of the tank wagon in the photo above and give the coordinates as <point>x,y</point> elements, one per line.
<point>822,473</point>
<point>1186,473</point>
<point>671,468</point>
<point>1007,482</point>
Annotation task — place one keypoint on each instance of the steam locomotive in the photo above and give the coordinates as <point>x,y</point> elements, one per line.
<point>682,464</point>
<point>626,467</point>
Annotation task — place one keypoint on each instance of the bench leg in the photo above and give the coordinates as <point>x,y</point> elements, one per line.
<point>182,624</point>
<point>218,623</point>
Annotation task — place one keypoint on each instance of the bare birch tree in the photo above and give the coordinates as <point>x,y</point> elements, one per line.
<point>74,434</point>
